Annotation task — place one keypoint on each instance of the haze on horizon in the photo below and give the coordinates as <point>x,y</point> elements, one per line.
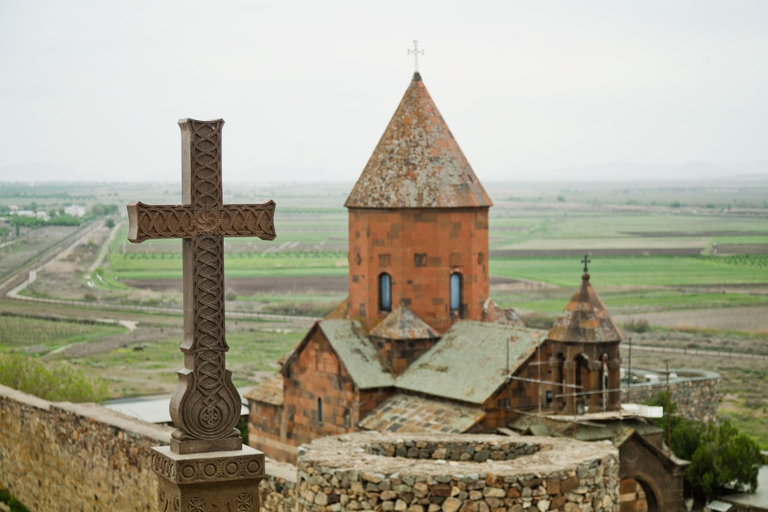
<point>531,91</point>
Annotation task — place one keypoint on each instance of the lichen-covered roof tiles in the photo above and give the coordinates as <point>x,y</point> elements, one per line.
<point>469,363</point>
<point>268,391</point>
<point>585,319</point>
<point>403,324</point>
<point>357,353</point>
<point>417,163</point>
<point>414,414</point>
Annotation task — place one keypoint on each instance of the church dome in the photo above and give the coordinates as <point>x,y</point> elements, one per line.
<point>417,163</point>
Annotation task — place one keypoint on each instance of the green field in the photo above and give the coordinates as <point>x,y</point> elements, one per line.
<point>39,336</point>
<point>638,270</point>
<point>628,219</point>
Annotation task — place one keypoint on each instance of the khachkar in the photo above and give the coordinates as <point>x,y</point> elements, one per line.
<point>206,467</point>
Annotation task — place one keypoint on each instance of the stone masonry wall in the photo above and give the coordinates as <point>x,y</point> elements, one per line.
<point>697,394</point>
<point>83,457</point>
<point>357,472</point>
<point>68,457</point>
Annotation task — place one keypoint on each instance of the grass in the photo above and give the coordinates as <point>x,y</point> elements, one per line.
<point>638,270</point>
<point>39,336</point>
<point>150,367</point>
<point>633,302</point>
<point>550,230</point>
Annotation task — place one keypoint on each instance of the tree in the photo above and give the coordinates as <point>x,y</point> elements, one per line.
<point>685,433</point>
<point>109,223</point>
<point>724,458</point>
<point>100,210</point>
<point>720,455</point>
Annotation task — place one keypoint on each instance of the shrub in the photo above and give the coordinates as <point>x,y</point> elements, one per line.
<point>13,503</point>
<point>636,325</point>
<point>537,321</point>
<point>56,383</point>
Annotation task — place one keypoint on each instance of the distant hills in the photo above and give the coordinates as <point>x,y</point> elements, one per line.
<point>621,171</point>
<point>611,171</point>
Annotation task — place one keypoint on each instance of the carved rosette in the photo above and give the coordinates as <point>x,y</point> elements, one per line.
<point>211,481</point>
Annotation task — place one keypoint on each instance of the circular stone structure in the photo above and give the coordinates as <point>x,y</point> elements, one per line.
<point>457,473</point>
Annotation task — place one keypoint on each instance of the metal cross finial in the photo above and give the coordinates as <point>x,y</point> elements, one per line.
<point>415,53</point>
<point>585,261</point>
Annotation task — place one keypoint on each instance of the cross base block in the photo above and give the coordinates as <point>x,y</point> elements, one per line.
<point>182,443</point>
<point>203,482</point>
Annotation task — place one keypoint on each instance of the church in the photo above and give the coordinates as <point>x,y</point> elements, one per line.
<point>420,347</point>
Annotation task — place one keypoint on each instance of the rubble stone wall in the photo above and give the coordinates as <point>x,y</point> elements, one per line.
<point>356,472</point>
<point>696,392</point>
<point>67,457</point>
<point>73,457</point>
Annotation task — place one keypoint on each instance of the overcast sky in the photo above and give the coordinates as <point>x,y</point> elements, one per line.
<point>526,87</point>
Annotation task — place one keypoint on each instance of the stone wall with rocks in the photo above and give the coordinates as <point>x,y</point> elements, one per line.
<point>363,472</point>
<point>67,457</point>
<point>63,456</point>
<point>696,392</point>
<point>72,457</point>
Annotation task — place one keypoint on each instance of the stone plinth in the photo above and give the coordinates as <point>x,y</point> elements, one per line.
<point>186,480</point>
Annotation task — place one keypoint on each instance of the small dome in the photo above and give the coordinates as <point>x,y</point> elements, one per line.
<point>585,319</point>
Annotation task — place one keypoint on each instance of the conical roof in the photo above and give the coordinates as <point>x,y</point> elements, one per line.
<point>585,319</point>
<point>417,163</point>
<point>403,324</point>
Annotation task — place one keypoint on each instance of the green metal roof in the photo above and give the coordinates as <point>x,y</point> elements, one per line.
<point>469,363</point>
<point>357,353</point>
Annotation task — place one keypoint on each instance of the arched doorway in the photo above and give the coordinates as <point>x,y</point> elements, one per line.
<point>635,495</point>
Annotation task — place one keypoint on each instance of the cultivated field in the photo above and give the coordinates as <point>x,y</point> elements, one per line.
<point>691,260</point>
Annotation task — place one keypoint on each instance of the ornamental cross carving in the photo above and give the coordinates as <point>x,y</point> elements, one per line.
<point>205,406</point>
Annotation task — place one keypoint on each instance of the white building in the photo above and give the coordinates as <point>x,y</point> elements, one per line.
<point>75,210</point>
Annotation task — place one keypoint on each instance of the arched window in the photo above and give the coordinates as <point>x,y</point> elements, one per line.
<point>455,292</point>
<point>385,292</point>
<point>319,410</point>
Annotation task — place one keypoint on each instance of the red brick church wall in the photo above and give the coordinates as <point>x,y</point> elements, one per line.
<point>419,248</point>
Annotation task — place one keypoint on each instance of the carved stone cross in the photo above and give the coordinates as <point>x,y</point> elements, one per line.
<point>205,406</point>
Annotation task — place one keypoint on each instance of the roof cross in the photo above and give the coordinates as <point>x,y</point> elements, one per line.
<point>585,261</point>
<point>205,406</point>
<point>415,53</point>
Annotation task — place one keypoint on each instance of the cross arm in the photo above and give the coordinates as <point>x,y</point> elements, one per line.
<point>180,221</point>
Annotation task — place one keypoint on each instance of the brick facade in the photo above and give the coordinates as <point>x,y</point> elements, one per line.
<point>319,399</point>
<point>420,248</point>
<point>579,366</point>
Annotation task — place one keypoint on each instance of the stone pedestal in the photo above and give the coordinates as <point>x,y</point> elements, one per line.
<point>205,482</point>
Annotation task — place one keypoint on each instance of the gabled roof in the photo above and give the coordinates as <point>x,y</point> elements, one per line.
<point>356,353</point>
<point>403,324</point>
<point>585,319</point>
<point>493,313</point>
<point>470,361</point>
<point>268,391</point>
<point>417,163</point>
<point>415,414</point>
